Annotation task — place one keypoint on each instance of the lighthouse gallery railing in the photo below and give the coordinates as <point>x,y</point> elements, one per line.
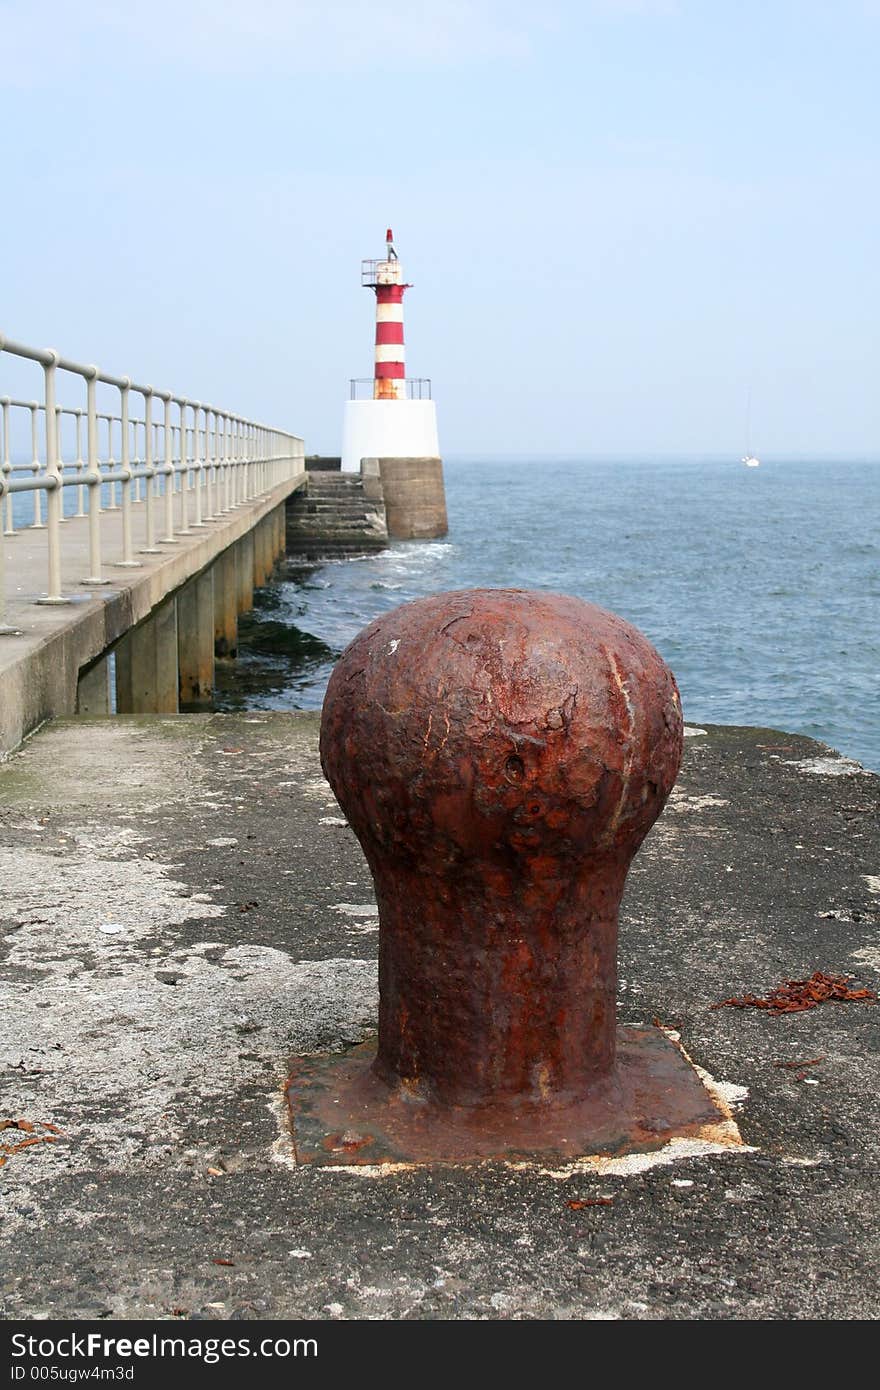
<point>418,388</point>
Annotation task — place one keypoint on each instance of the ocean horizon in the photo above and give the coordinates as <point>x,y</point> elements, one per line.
<point>758,586</point>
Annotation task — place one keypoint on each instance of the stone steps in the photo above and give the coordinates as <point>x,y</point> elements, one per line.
<point>331,517</point>
<point>344,508</point>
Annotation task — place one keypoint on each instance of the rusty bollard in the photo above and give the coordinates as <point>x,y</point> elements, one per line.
<point>500,755</point>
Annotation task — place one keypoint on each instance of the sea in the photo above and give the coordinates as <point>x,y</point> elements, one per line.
<point>759,586</point>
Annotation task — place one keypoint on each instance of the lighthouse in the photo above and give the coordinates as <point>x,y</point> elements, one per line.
<point>390,421</point>
<point>386,278</point>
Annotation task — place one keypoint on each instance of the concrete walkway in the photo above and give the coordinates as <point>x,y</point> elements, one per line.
<point>184,909</point>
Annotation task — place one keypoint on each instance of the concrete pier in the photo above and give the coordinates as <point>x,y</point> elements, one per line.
<point>46,667</point>
<point>226,593</point>
<point>195,639</point>
<point>160,972</point>
<point>244,563</point>
<point>264,557</point>
<point>146,665</point>
<point>415,498</point>
<point>93,689</point>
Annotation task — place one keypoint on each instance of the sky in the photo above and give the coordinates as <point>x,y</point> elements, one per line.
<point>622,219</point>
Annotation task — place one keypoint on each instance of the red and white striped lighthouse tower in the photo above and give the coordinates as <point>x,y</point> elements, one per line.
<point>386,278</point>
<point>389,416</point>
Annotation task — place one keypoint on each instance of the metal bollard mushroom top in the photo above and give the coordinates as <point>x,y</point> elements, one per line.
<point>501,724</point>
<point>500,755</point>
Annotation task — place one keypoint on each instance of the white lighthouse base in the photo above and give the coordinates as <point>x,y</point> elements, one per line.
<point>388,429</point>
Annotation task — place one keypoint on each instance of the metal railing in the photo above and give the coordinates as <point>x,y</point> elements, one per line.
<point>382,272</point>
<point>181,463</point>
<point>418,388</point>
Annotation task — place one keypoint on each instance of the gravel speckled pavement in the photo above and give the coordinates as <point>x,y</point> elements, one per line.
<point>184,909</point>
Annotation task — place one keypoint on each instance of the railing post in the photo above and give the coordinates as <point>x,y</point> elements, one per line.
<point>231,467</point>
<point>215,494</point>
<point>80,466</point>
<point>221,463</point>
<point>208,510</point>
<point>214,471</point>
<point>128,561</point>
<point>8,527</point>
<point>93,481</point>
<point>233,462</point>
<point>168,473</point>
<point>37,524</point>
<point>245,462</point>
<point>54,498</point>
<point>184,527</point>
<point>198,523</point>
<point>111,486</point>
<point>6,630</point>
<point>240,465</point>
<point>59,445</point>
<point>151,547</point>
<point>231,494</point>
<point>219,451</point>
<point>241,495</point>
<point>137,491</point>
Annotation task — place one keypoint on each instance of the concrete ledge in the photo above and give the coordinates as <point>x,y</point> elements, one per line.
<point>322,463</point>
<point>184,910</point>
<point>39,668</point>
<point>415,497</point>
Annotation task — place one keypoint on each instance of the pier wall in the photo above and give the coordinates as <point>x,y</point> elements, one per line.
<point>342,513</point>
<point>415,499</point>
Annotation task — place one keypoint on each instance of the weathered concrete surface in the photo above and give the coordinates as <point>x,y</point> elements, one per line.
<point>183,911</point>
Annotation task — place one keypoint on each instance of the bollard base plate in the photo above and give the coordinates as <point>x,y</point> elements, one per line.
<point>344,1115</point>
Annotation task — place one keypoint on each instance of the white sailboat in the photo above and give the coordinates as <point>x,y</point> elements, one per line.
<point>749,459</point>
